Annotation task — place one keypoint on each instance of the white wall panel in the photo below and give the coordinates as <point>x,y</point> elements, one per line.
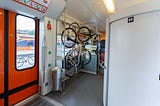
<point>47,49</point>
<point>124,9</point>
<point>135,62</point>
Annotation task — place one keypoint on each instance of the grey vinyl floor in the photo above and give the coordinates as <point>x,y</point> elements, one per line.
<point>39,102</point>
<point>83,90</point>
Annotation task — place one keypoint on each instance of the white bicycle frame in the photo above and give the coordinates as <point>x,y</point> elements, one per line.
<point>69,56</point>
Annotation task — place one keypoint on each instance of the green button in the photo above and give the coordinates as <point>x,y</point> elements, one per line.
<point>49,65</point>
<point>49,52</point>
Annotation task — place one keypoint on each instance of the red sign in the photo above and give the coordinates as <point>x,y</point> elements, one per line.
<point>49,26</point>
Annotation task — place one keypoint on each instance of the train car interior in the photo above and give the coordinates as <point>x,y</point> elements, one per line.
<point>79,53</point>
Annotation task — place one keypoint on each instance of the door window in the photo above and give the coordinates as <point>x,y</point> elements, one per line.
<point>25,42</point>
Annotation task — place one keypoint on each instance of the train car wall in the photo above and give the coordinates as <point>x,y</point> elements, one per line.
<point>47,54</point>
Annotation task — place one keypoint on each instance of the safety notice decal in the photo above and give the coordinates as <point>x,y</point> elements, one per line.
<point>39,5</point>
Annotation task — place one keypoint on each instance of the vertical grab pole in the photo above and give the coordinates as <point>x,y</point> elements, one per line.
<point>63,63</point>
<point>44,57</point>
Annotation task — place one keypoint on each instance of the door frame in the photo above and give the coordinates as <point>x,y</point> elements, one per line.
<point>20,89</point>
<point>107,54</point>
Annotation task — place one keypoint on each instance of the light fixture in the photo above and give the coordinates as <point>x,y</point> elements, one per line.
<point>0,13</point>
<point>110,6</point>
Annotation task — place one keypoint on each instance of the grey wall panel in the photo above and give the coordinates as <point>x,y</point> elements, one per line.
<point>135,62</point>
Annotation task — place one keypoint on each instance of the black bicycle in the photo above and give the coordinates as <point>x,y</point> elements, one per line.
<point>75,33</point>
<point>69,37</point>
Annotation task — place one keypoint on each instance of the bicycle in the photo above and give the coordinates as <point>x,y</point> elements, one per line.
<point>26,58</point>
<point>74,33</point>
<point>74,58</point>
<point>71,36</point>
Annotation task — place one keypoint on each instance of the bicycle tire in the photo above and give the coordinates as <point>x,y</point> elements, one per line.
<point>84,34</point>
<point>69,41</point>
<point>68,64</point>
<point>19,62</point>
<point>31,60</point>
<point>86,59</point>
<point>72,73</point>
<point>75,26</point>
<point>93,32</point>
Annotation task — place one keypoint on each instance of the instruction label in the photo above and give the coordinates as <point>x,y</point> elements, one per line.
<point>39,5</point>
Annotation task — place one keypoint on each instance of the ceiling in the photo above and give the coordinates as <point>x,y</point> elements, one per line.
<point>90,12</point>
<point>94,12</point>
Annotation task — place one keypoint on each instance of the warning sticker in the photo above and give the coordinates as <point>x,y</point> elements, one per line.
<point>39,5</point>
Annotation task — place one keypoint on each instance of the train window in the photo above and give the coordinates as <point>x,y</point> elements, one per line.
<point>25,42</point>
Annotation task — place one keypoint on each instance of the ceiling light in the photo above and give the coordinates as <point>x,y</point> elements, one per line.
<point>110,6</point>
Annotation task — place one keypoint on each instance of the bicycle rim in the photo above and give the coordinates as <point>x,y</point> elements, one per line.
<point>31,60</point>
<point>69,37</point>
<point>75,26</point>
<point>84,34</point>
<point>71,72</point>
<point>86,57</point>
<point>19,63</point>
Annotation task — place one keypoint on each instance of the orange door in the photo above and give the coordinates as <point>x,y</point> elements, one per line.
<point>1,102</point>
<point>22,82</point>
<point>2,55</point>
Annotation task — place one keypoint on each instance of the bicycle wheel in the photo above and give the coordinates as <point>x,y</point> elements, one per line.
<point>69,37</point>
<point>19,62</point>
<point>31,60</point>
<point>84,34</point>
<point>74,26</point>
<point>68,64</point>
<point>93,32</point>
<point>86,57</point>
<point>70,68</point>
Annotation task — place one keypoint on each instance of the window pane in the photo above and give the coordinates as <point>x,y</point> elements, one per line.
<point>25,42</point>
<point>60,46</point>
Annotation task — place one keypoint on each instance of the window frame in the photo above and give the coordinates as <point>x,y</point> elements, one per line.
<point>35,43</point>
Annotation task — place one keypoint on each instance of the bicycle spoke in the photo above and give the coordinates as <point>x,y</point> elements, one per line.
<point>72,68</point>
<point>74,26</point>
<point>69,37</point>
<point>86,57</point>
<point>31,60</point>
<point>84,34</point>
<point>20,62</point>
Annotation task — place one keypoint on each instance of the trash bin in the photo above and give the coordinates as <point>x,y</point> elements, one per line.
<point>57,78</point>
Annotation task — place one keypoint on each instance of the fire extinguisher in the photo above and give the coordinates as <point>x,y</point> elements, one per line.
<point>49,26</point>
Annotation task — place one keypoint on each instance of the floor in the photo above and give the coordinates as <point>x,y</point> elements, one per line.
<point>39,102</point>
<point>83,90</point>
